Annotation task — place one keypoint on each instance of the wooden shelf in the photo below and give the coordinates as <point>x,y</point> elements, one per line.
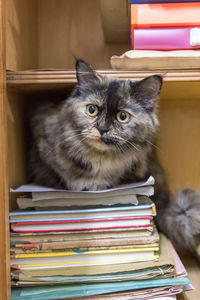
<point>39,77</point>
<point>186,82</point>
<point>178,84</point>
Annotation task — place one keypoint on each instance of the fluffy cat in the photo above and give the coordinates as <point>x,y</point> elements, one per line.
<point>104,135</point>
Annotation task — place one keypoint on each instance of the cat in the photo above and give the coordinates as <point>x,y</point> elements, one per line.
<point>104,134</point>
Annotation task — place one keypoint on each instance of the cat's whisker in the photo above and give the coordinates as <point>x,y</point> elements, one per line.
<point>133,145</point>
<point>117,144</point>
<point>78,144</point>
<point>127,143</point>
<point>153,145</point>
<point>75,135</point>
<point>130,147</point>
<point>66,140</point>
<point>49,152</point>
<point>120,148</point>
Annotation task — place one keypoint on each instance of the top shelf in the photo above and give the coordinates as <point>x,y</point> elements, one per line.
<point>178,84</point>
<point>49,79</point>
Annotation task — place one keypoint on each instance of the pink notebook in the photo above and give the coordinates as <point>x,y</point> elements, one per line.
<point>176,38</point>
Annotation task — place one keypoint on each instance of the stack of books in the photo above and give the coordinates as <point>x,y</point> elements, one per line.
<point>96,245</point>
<point>165,24</point>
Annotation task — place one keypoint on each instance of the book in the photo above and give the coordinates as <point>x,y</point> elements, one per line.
<point>115,240</point>
<point>137,235</point>
<point>164,293</point>
<point>173,38</point>
<point>75,258</point>
<point>165,259</point>
<point>157,60</point>
<point>24,202</point>
<point>145,207</point>
<point>64,198</point>
<point>159,293</point>
<point>33,234</point>
<point>79,290</point>
<point>41,192</point>
<point>33,249</point>
<point>81,225</point>
<point>165,15</point>
<point>154,272</point>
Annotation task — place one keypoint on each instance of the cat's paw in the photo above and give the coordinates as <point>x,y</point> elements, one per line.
<point>85,189</point>
<point>96,187</point>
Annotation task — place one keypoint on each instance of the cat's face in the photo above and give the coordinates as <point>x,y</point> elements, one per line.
<point>108,114</point>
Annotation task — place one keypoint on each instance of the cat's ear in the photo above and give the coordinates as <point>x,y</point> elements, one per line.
<point>85,73</point>
<point>146,91</point>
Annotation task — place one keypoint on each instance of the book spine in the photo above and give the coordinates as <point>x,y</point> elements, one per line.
<point>163,39</point>
<point>165,15</point>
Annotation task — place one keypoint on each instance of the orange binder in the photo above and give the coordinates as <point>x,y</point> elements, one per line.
<point>165,15</point>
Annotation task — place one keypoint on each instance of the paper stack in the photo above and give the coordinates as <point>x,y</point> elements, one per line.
<point>165,25</point>
<point>67,244</point>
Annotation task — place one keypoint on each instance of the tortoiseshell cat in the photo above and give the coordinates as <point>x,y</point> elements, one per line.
<point>103,135</point>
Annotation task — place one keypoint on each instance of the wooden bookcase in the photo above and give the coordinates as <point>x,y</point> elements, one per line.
<point>44,35</point>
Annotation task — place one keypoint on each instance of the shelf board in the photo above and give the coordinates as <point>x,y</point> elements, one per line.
<point>61,78</point>
<point>186,82</point>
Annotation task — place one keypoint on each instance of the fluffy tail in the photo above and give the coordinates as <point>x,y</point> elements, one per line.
<point>180,221</point>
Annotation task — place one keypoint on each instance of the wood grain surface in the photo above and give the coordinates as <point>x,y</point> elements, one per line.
<point>4,201</point>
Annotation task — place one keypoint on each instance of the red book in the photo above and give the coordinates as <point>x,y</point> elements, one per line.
<point>84,225</point>
<point>165,15</point>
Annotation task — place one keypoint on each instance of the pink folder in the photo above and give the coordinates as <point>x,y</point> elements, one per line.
<point>175,38</point>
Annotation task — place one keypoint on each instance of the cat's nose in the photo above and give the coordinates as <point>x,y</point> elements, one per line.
<point>102,129</point>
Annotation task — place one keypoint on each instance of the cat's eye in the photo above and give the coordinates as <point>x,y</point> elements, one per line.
<point>123,116</point>
<point>92,110</point>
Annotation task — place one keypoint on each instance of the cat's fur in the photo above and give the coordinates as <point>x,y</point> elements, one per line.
<point>74,150</point>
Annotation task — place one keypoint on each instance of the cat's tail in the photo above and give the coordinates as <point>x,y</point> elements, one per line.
<point>180,221</point>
